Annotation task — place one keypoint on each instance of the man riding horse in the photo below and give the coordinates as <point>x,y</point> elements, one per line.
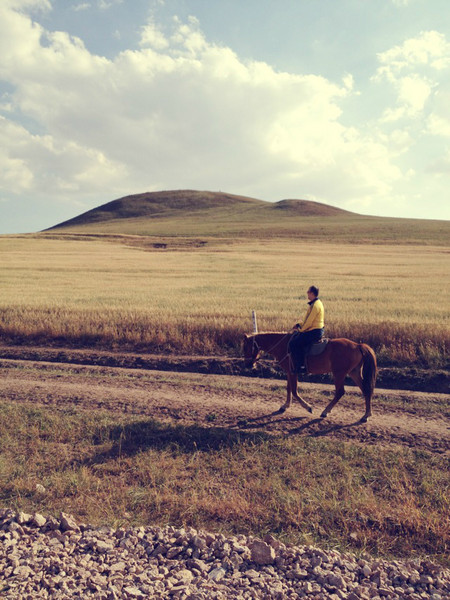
<point>308,332</point>
<point>340,356</point>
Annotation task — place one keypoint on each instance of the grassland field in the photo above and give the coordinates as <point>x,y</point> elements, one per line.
<point>199,299</point>
<point>195,296</point>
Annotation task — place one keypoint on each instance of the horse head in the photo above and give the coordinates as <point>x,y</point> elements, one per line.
<point>251,350</point>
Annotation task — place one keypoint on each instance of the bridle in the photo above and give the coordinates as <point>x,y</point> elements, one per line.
<point>256,349</point>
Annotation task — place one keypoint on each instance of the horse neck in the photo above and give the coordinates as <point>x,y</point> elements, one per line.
<point>273,343</point>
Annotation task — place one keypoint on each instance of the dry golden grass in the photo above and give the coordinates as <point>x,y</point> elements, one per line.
<point>122,471</point>
<point>200,299</point>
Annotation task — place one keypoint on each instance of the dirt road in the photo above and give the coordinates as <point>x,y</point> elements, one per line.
<point>412,419</point>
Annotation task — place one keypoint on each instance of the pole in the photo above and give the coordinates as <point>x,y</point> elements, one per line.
<point>255,324</point>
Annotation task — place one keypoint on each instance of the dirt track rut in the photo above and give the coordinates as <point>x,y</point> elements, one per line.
<point>413,419</point>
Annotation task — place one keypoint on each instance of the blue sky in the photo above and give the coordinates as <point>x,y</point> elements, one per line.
<point>345,102</point>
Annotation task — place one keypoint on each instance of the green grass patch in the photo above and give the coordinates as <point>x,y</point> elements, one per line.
<point>129,471</point>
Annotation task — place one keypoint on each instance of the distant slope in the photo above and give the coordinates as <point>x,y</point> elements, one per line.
<point>159,204</point>
<point>308,208</point>
<point>195,214</point>
<point>169,204</point>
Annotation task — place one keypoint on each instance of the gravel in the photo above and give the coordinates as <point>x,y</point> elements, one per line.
<point>45,557</point>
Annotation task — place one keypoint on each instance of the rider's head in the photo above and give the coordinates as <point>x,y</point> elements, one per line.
<point>314,290</point>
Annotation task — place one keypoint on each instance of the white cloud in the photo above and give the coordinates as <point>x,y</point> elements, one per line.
<point>26,4</point>
<point>189,36</point>
<point>438,122</point>
<point>399,140</point>
<point>417,71</point>
<point>412,94</point>
<point>44,164</point>
<point>105,4</point>
<point>429,49</point>
<point>81,6</point>
<point>439,125</point>
<point>14,171</point>
<point>153,37</point>
<point>414,91</point>
<point>440,166</point>
<point>182,112</point>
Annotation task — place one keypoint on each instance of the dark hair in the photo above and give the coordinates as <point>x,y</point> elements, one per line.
<point>314,290</point>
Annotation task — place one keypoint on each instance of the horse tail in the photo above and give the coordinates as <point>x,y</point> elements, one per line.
<point>369,370</point>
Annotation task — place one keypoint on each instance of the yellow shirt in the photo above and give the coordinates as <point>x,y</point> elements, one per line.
<point>314,317</point>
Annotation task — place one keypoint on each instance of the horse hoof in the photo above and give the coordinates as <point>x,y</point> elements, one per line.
<point>323,415</point>
<point>363,419</point>
<point>309,409</point>
<point>281,410</point>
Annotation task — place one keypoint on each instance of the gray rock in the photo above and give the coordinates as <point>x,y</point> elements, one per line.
<point>133,592</point>
<point>217,574</point>
<point>23,518</point>
<point>68,523</point>
<point>56,558</point>
<point>184,576</point>
<point>38,520</point>
<point>262,553</point>
<point>336,581</point>
<point>104,547</point>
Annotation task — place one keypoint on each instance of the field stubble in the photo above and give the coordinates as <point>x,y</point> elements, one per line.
<point>199,300</point>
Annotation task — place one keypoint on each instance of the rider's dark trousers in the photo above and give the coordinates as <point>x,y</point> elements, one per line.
<point>299,343</point>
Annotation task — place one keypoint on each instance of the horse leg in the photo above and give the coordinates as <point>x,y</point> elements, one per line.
<point>292,391</point>
<point>338,393</point>
<point>294,382</point>
<point>288,397</point>
<point>356,376</point>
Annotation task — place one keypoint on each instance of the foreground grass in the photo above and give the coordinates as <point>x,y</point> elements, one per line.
<point>133,471</point>
<point>104,294</point>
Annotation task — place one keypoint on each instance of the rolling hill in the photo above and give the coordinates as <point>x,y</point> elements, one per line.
<point>168,204</point>
<point>193,214</point>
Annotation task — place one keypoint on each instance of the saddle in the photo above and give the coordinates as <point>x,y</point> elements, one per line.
<point>317,348</point>
<point>312,350</point>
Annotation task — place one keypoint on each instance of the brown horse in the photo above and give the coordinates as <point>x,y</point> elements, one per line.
<point>341,357</point>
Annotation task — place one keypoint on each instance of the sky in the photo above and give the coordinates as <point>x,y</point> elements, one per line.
<point>344,102</point>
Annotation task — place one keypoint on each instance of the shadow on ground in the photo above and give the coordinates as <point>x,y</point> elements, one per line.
<point>296,425</point>
<point>133,438</point>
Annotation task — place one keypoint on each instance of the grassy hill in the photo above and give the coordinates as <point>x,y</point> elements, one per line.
<point>189,213</point>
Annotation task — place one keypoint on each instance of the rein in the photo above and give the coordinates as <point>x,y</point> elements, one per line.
<point>270,350</point>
